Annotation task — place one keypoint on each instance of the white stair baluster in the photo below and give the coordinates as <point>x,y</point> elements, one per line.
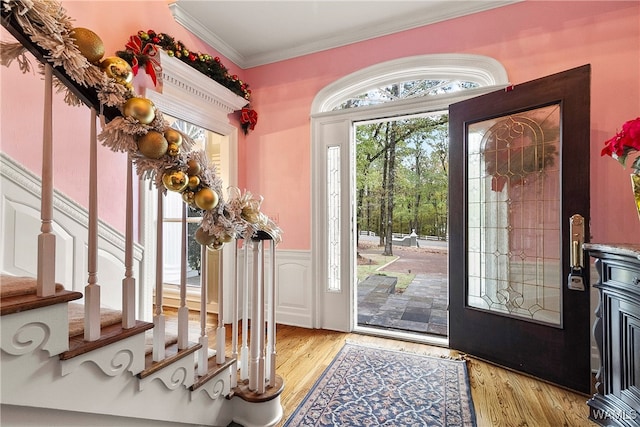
<point>92,290</point>
<point>158,318</point>
<point>244,350</point>
<point>220,332</point>
<point>47,240</point>
<point>271,334</point>
<point>183,311</point>
<point>260,321</point>
<point>234,315</point>
<point>256,304</point>
<point>203,354</point>
<point>129,282</point>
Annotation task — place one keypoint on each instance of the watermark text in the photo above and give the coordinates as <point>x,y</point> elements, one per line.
<point>615,414</point>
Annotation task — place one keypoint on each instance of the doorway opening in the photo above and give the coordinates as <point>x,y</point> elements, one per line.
<point>403,88</point>
<point>401,206</point>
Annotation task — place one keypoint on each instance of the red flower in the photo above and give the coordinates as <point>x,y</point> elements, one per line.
<point>624,142</point>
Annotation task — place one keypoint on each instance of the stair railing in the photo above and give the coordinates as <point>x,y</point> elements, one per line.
<point>258,358</point>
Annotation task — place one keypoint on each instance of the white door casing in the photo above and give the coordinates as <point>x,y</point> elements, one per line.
<point>329,128</point>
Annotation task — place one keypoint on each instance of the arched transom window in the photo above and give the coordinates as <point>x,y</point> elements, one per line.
<point>435,79</point>
<point>406,90</point>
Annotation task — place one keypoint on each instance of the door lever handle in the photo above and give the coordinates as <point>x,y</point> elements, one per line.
<point>576,254</point>
<point>576,225</point>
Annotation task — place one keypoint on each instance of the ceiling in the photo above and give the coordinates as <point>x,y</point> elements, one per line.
<point>252,33</point>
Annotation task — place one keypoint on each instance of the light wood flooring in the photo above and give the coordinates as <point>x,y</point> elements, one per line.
<point>501,397</point>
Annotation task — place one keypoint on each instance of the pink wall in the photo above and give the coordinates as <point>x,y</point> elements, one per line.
<point>531,39</point>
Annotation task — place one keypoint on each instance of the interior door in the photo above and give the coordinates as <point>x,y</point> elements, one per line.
<point>519,170</point>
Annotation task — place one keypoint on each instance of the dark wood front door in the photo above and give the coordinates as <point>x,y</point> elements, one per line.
<point>519,170</point>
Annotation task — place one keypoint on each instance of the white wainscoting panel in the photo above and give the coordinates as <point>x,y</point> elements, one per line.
<point>294,302</point>
<point>20,227</point>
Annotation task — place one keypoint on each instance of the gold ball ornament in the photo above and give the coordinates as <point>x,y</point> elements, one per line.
<point>193,167</point>
<point>203,237</point>
<point>140,109</point>
<point>189,197</point>
<point>88,43</point>
<point>194,182</point>
<point>173,136</point>
<point>206,199</point>
<point>173,150</point>
<point>175,180</point>
<point>152,145</point>
<point>118,69</point>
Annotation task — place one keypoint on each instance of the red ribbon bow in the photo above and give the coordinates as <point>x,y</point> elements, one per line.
<point>150,51</point>
<point>250,117</point>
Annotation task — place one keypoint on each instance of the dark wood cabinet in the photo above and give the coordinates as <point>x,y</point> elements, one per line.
<point>617,335</point>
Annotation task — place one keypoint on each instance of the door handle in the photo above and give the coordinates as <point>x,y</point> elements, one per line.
<point>576,225</point>
<point>576,254</point>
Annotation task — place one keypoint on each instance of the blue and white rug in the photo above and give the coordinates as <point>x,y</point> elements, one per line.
<point>371,386</point>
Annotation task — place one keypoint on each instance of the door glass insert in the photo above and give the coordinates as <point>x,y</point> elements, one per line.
<point>513,224</point>
<point>333,216</point>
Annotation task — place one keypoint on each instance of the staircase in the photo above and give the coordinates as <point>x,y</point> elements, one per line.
<point>46,375</point>
<point>63,368</point>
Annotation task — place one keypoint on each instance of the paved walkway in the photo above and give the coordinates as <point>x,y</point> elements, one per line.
<point>423,305</point>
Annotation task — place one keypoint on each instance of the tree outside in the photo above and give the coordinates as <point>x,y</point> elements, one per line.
<point>401,180</point>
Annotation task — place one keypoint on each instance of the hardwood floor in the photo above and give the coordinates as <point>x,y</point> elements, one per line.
<point>501,397</point>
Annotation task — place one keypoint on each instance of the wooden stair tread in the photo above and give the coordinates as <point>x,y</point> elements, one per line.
<point>18,303</point>
<point>108,335</point>
<point>213,369</point>
<point>242,391</point>
<point>171,355</point>
<point>11,286</point>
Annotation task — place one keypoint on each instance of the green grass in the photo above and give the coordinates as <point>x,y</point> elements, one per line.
<point>379,260</point>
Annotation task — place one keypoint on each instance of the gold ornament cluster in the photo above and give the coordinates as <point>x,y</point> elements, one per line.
<point>91,47</point>
<point>180,172</point>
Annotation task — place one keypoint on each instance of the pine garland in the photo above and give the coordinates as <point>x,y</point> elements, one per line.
<point>139,48</point>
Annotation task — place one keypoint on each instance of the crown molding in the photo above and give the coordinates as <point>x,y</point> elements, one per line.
<point>194,26</point>
<point>443,11</point>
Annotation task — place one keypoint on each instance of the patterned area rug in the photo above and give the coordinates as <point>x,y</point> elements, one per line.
<point>371,386</point>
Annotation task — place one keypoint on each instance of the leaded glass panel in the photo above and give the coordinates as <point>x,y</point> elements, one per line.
<point>513,223</point>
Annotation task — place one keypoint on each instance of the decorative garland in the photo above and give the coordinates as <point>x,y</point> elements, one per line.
<point>160,153</point>
<point>142,49</point>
